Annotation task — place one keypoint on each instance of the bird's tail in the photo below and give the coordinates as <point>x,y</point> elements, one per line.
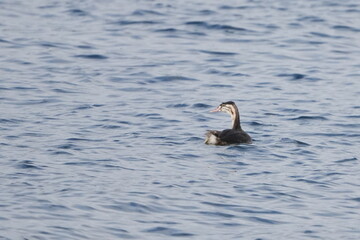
<point>211,137</point>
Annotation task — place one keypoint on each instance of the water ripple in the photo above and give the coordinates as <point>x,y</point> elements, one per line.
<point>170,79</point>
<point>309,118</point>
<point>346,28</point>
<point>78,12</point>
<point>169,232</point>
<point>222,27</point>
<point>27,164</point>
<point>140,22</point>
<point>219,53</point>
<point>264,220</point>
<point>143,12</point>
<point>347,160</point>
<point>91,56</point>
<point>104,107</point>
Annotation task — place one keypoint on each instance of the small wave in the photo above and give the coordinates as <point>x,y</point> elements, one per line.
<point>201,105</point>
<point>324,35</point>
<point>293,110</point>
<point>124,122</point>
<point>353,9</point>
<point>300,143</point>
<point>217,214</point>
<point>52,207</point>
<point>135,89</point>
<point>118,79</point>
<point>312,182</point>
<point>228,155</point>
<point>268,26</point>
<point>3,41</point>
<point>143,12</point>
<point>107,126</point>
<point>226,73</point>
<point>218,53</point>
<point>60,153</point>
<point>305,101</point>
<point>87,106</point>
<point>206,12</point>
<point>196,33</point>
<point>254,123</point>
<point>68,146</point>
<point>91,56</point>
<point>221,196</point>
<point>231,164</point>
<point>83,139</point>
<point>148,115</point>
<point>83,207</point>
<point>263,220</point>
<point>39,101</point>
<point>85,47</point>
<point>293,76</point>
<point>27,164</point>
<point>169,232</point>
<point>310,19</point>
<point>258,173</point>
<point>77,12</point>
<point>219,85</point>
<point>58,90</point>
<point>10,120</point>
<point>194,139</point>
<point>223,27</point>
<point>133,207</point>
<point>35,134</point>
<point>346,28</point>
<point>228,7</point>
<point>174,32</point>
<point>348,125</point>
<point>51,44</point>
<point>169,79</point>
<point>173,78</point>
<point>110,166</point>
<point>120,233</point>
<point>279,156</point>
<point>141,22</point>
<point>167,30</point>
<point>243,147</point>
<point>325,134</point>
<point>83,163</point>
<point>309,118</point>
<point>178,105</point>
<point>347,160</point>
<point>261,211</point>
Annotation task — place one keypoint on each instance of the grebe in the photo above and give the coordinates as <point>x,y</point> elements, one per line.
<point>228,136</point>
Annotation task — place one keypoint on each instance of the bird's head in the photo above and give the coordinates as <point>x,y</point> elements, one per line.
<point>228,107</point>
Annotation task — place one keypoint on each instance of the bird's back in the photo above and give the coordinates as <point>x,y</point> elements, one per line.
<point>231,136</point>
<point>227,137</point>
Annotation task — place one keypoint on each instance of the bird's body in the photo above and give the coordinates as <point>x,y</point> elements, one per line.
<point>227,137</point>
<point>235,135</point>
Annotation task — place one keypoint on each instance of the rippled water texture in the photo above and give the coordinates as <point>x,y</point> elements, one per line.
<point>104,106</point>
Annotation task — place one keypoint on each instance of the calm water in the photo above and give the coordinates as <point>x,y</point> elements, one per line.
<point>104,105</point>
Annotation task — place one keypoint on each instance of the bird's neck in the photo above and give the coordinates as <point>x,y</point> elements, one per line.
<point>235,118</point>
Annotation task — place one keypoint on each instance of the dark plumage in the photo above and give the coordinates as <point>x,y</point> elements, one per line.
<point>228,136</point>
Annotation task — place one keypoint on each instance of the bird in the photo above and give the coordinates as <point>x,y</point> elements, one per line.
<point>235,135</point>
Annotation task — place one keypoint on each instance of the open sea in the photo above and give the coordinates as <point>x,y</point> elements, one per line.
<point>104,106</point>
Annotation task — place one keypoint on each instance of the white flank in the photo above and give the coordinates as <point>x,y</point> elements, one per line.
<point>212,139</point>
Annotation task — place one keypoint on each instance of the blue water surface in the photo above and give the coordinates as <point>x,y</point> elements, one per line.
<point>104,106</point>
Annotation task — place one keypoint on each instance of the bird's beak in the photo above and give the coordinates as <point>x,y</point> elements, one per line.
<point>218,109</point>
